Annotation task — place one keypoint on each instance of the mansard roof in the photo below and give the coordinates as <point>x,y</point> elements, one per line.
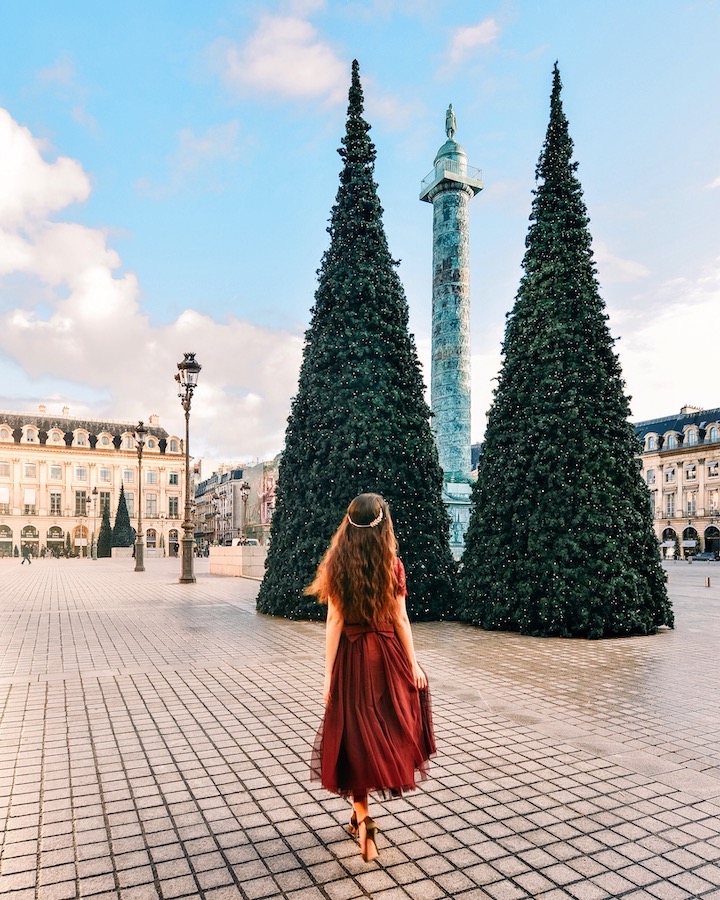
<point>68,424</point>
<point>700,418</point>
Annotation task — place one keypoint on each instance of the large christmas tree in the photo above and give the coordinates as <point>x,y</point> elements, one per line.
<point>560,540</point>
<point>359,421</point>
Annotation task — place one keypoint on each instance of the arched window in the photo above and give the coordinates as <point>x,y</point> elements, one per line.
<point>651,443</point>
<point>31,435</point>
<point>713,433</point>
<point>173,445</point>
<point>691,437</point>
<point>5,434</point>
<point>81,439</point>
<point>671,442</point>
<point>129,442</point>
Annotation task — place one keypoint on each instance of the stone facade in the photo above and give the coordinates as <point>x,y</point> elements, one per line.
<point>50,466</point>
<point>680,460</point>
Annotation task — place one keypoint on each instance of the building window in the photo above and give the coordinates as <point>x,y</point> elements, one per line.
<point>691,504</point>
<point>105,441</point>
<point>4,469</point>
<point>174,478</point>
<point>30,470</point>
<point>651,443</point>
<point>151,476</point>
<point>151,444</point>
<point>104,475</point>
<point>712,469</point>
<point>104,497</point>
<point>713,434</point>
<point>29,502</point>
<point>31,436</point>
<point>151,505</point>
<point>651,476</point>
<point>671,442</point>
<point>56,437</point>
<point>128,476</point>
<point>173,507</point>
<point>691,472</point>
<point>55,503</point>
<point>80,503</point>
<point>669,504</point>
<point>669,474</point>
<point>691,436</point>
<point>56,473</point>
<point>81,440</point>
<point>80,473</point>
<point>5,434</point>
<point>130,501</point>
<point>129,442</point>
<point>173,446</point>
<point>5,501</point>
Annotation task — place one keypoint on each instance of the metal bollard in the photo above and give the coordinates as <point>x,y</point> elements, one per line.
<point>707,581</point>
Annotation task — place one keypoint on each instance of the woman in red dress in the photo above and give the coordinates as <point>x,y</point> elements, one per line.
<point>377,729</point>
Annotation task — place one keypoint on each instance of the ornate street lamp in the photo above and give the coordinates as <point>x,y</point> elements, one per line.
<point>94,537</point>
<point>187,378</point>
<point>244,494</point>
<point>140,435</point>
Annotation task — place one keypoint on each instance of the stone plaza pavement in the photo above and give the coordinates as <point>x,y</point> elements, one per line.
<point>154,743</point>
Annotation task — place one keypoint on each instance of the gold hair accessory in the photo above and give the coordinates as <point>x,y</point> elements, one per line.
<point>372,524</point>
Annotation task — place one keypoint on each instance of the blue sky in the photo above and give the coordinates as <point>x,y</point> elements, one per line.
<point>167,172</point>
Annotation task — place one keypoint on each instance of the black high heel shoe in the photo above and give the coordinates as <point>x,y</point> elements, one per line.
<point>352,828</point>
<point>369,851</point>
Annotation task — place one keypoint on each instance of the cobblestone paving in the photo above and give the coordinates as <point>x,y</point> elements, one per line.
<point>154,743</point>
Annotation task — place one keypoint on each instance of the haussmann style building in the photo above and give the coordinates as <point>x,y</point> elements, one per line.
<point>681,464</point>
<point>57,472</point>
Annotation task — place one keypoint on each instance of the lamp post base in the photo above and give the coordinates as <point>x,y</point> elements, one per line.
<point>187,576</point>
<point>139,556</point>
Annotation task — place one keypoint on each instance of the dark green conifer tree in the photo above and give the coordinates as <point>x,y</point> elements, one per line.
<point>123,534</point>
<point>359,421</point>
<point>560,540</point>
<point>104,540</point>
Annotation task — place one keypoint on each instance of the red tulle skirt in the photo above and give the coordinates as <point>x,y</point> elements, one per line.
<point>377,732</point>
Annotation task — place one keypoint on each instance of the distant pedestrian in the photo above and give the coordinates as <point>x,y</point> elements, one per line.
<point>26,556</point>
<point>377,729</point>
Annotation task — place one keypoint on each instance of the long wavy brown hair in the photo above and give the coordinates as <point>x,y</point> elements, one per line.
<point>359,570</point>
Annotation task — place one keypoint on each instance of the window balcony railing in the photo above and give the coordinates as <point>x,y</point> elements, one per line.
<point>29,510</point>
<point>4,509</point>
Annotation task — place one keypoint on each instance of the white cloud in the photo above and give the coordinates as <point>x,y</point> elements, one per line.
<point>469,37</point>
<point>664,349</point>
<point>715,183</point>
<point>285,57</point>
<point>613,269</point>
<point>30,187</point>
<point>84,327</point>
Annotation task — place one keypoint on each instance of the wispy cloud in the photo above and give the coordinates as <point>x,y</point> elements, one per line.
<point>466,39</point>
<point>715,183</point>
<point>195,152</point>
<point>78,329</point>
<point>60,77</point>
<point>613,269</point>
<point>286,58</point>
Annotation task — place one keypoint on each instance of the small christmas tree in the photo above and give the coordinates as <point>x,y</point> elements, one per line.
<point>561,536</point>
<point>68,545</point>
<point>104,541</point>
<point>359,421</point>
<point>122,533</point>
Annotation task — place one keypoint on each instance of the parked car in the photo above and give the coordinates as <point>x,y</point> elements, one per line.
<point>245,542</point>
<point>707,555</point>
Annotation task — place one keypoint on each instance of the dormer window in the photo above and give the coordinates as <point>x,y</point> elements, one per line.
<point>81,439</point>
<point>671,442</point>
<point>691,436</point>
<point>713,434</point>
<point>651,443</point>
